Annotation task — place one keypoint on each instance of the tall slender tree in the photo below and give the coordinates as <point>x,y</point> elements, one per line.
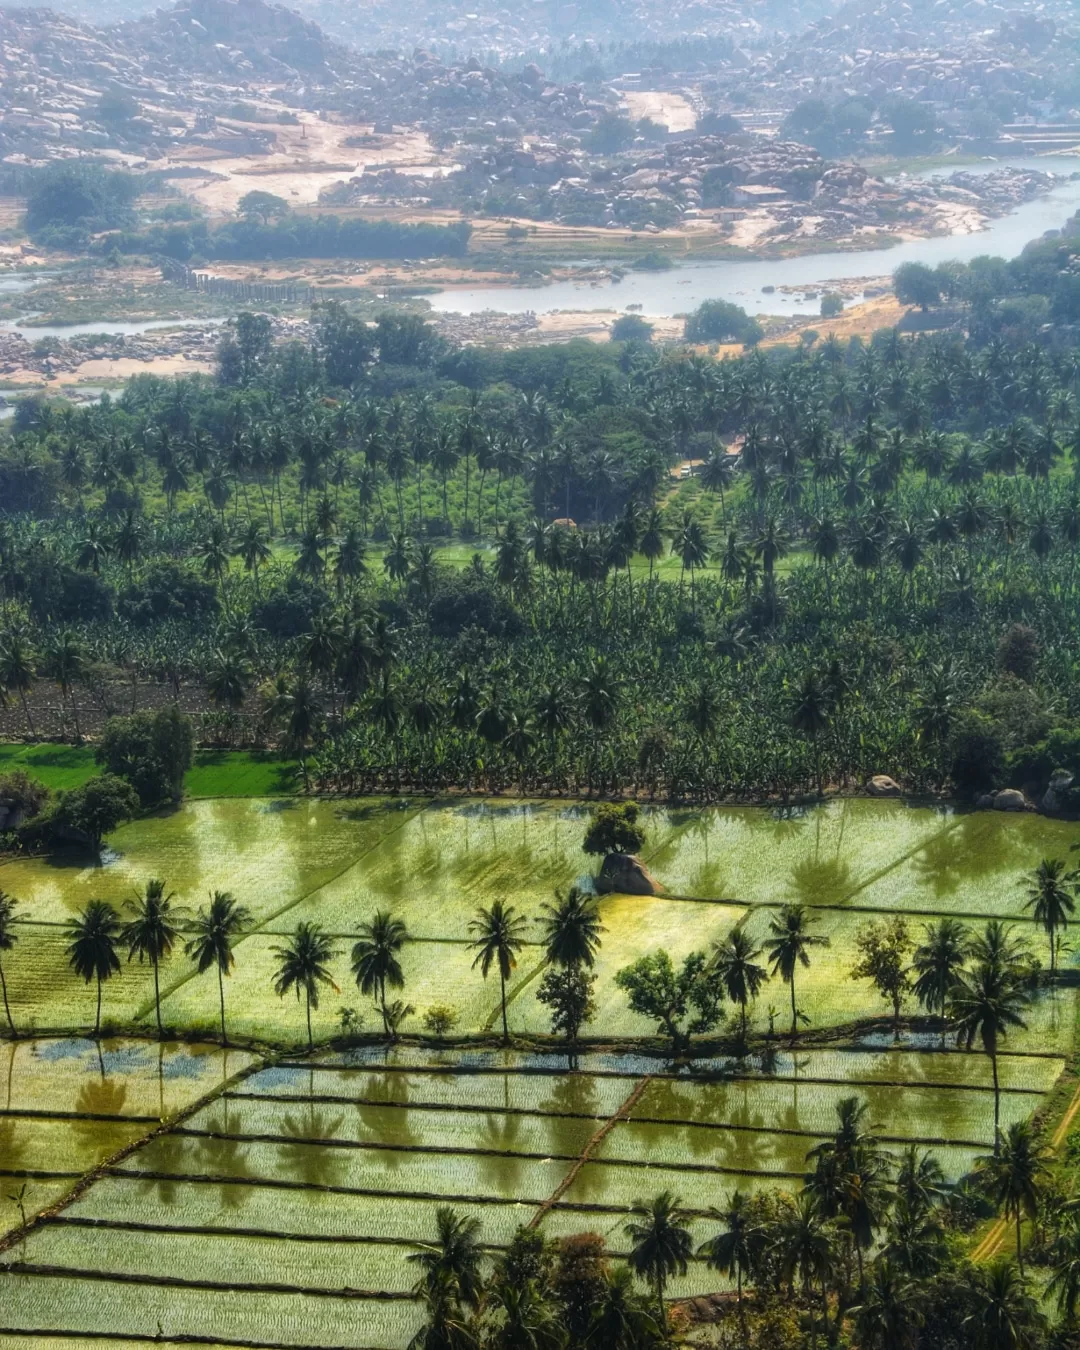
<point>91,951</point>
<point>216,930</point>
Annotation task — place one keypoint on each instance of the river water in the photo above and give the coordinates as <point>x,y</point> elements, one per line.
<point>681,289</point>
<point>107,327</point>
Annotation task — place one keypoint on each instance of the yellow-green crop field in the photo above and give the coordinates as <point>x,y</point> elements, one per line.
<point>269,1196</point>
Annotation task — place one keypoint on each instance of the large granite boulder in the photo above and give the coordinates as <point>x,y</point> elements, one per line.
<point>626,874</point>
<point>881,785</point>
<point>1010,799</point>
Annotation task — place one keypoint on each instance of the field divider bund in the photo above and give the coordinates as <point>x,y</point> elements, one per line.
<point>28,1113</point>
<point>667,1122</point>
<point>623,1113</point>
<point>86,1179</point>
<point>807,1080</point>
<point>207,1286</point>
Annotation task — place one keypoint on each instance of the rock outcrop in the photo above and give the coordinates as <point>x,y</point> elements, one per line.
<point>881,785</point>
<point>626,874</point>
<point>1010,799</point>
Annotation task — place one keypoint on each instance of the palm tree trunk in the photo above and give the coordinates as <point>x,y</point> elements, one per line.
<point>310,1043</point>
<point>97,1019</point>
<point>385,1021</point>
<point>794,1011</point>
<point>1019,1247</point>
<point>157,999</point>
<point>502,987</point>
<point>26,712</point>
<point>997,1103</point>
<point>7,1006</point>
<point>221,1004</point>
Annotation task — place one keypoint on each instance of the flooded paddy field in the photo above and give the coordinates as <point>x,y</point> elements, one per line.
<point>271,1195</point>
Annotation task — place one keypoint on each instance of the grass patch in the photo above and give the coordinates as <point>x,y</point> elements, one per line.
<point>240,773</point>
<point>215,773</point>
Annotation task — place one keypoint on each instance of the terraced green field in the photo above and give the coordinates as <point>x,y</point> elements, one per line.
<point>271,1198</point>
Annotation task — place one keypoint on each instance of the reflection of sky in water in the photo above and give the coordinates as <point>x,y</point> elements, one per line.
<point>130,1058</point>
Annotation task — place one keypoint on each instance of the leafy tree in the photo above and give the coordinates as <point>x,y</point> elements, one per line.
<point>654,989</point>
<point>93,810</point>
<point>788,946</point>
<point>262,206</point>
<point>614,828</point>
<point>91,950</point>
<point>884,948</point>
<point>216,930</point>
<point>498,935</point>
<point>303,965</point>
<point>916,284</point>
<point>568,992</point>
<point>152,750</point>
<point>151,933</point>
<point>631,328</point>
<point>440,1019</point>
<point>721,321</point>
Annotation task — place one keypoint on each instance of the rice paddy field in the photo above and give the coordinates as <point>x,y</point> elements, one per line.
<point>270,1196</point>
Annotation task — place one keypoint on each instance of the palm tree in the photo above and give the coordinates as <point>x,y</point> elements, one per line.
<point>1064,1282</point>
<point>1052,899</point>
<point>987,1003</point>
<point>215,932</point>
<point>571,930</point>
<point>736,964</point>
<point>661,1244</point>
<point>1014,1175</point>
<point>303,965</point>
<point>805,1249</point>
<point>8,939</point>
<point>454,1256</point>
<point>620,1320</point>
<point>937,963</point>
<point>375,960</point>
<point>888,1317</point>
<point>788,947</point>
<point>92,949</point>
<point>498,937</point>
<point>446,1325</point>
<point>65,662</point>
<point>17,671</point>
<point>151,932</point>
<point>731,1251</point>
<point>810,717</point>
<point>1005,1316</point>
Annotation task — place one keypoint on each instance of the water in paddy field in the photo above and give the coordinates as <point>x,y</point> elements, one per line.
<point>68,1104</point>
<point>335,863</point>
<point>683,288</point>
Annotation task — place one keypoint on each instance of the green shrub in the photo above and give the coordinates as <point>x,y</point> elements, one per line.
<point>152,750</point>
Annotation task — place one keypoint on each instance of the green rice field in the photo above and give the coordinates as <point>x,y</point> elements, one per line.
<point>270,1196</point>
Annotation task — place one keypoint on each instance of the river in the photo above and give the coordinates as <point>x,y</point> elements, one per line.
<point>682,288</point>
<point>103,327</point>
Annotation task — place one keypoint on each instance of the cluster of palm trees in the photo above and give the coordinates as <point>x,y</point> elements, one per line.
<point>862,1251</point>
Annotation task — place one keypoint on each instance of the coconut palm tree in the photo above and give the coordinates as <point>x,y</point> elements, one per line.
<point>888,1317</point>
<point>151,932</point>
<point>1051,899</point>
<point>91,952</point>
<point>454,1256</point>
<point>810,717</point>
<point>788,947</point>
<point>742,976</point>
<point>8,939</point>
<point>804,1245</point>
<point>1014,1177</point>
<point>571,930</point>
<point>1064,1282</point>
<point>303,965</point>
<point>1005,1316</point>
<point>17,672</point>
<point>64,661</point>
<point>620,1319</point>
<point>986,1004</point>
<point>375,960</point>
<point>732,1250</point>
<point>498,936</point>
<point>937,963</point>
<point>216,930</point>
<point>661,1245</point>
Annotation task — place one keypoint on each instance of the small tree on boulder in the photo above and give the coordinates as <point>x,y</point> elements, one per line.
<point>614,828</point>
